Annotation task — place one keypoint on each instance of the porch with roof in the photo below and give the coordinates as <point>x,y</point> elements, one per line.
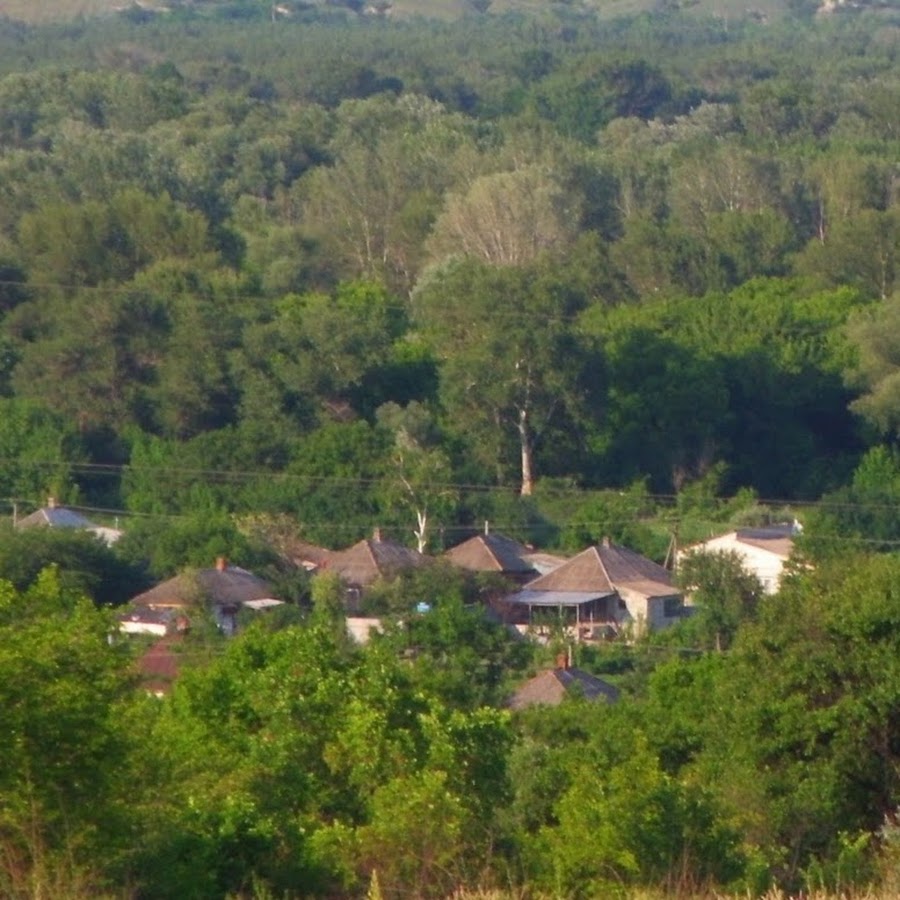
<point>583,615</point>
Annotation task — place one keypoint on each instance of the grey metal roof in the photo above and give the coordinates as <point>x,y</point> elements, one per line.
<point>556,598</point>
<point>55,517</point>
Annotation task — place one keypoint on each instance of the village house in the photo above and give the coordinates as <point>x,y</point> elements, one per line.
<point>223,590</point>
<point>490,552</point>
<point>763,551</point>
<point>54,516</point>
<point>368,561</point>
<point>604,591</point>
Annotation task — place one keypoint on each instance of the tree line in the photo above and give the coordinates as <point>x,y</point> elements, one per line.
<point>574,263</point>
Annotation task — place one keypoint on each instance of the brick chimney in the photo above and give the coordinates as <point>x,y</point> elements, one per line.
<point>376,535</point>
<point>221,563</point>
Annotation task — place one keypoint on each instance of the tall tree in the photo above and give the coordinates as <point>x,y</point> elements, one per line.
<point>511,360</point>
<point>420,477</point>
<point>507,218</point>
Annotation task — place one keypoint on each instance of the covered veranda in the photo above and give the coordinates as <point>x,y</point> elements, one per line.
<point>581,612</point>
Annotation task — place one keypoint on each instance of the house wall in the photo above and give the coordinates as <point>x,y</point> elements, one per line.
<point>764,564</point>
<point>361,628</point>
<point>645,613</point>
<point>127,626</point>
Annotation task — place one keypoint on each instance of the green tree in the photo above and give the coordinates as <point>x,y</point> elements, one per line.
<point>62,691</point>
<point>506,219</point>
<point>93,242</point>
<point>324,352</point>
<point>875,370</point>
<point>501,377</point>
<point>394,158</point>
<point>861,251</point>
<point>724,593</point>
<point>812,747</point>
<point>419,477</point>
<point>95,358</point>
<point>645,825</point>
<point>84,564</point>
<point>38,449</point>
<point>863,510</point>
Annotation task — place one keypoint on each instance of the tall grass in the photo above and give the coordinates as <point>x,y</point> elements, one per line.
<point>646,894</point>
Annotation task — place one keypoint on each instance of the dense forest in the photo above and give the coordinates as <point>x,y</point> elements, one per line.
<point>317,267</point>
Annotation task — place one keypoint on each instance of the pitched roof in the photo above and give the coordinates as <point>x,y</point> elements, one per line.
<point>491,553</point>
<point>778,539</point>
<point>55,517</point>
<point>302,553</point>
<point>603,569</point>
<point>549,688</point>
<point>371,559</point>
<point>225,586</point>
<point>543,563</point>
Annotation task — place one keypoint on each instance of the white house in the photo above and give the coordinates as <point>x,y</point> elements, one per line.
<point>763,551</point>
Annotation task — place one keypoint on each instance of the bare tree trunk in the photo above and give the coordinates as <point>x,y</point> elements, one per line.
<point>421,531</point>
<point>527,444</point>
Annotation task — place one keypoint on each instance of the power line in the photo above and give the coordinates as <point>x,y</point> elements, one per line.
<point>223,476</point>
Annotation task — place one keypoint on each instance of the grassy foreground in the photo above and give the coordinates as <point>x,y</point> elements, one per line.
<point>638,894</point>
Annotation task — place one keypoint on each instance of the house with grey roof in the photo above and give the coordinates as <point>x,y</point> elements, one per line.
<point>223,589</point>
<point>54,516</point>
<point>606,589</point>
<point>370,560</point>
<point>491,552</point>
